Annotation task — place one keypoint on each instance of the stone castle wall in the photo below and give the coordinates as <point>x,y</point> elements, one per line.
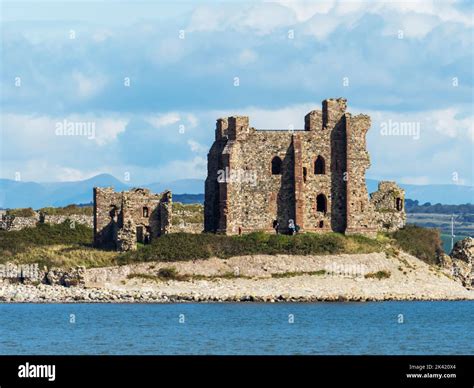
<point>121,219</point>
<point>19,223</point>
<point>320,183</point>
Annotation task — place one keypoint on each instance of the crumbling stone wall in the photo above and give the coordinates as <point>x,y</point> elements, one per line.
<point>320,183</point>
<point>388,202</point>
<point>17,223</point>
<point>187,218</point>
<point>121,219</point>
<point>76,218</point>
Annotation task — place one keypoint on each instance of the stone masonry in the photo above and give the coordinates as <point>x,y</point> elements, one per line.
<point>121,219</point>
<point>315,177</point>
<point>12,223</point>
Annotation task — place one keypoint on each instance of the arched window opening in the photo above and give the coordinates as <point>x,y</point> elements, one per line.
<point>145,212</point>
<point>321,205</point>
<point>321,224</point>
<point>399,204</point>
<point>276,166</point>
<point>319,166</point>
<point>305,173</point>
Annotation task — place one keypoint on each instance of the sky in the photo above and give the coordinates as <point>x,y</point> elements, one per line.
<point>134,88</point>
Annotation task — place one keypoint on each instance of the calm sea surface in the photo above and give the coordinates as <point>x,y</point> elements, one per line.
<point>318,328</point>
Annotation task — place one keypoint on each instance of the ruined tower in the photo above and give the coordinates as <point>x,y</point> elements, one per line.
<point>315,176</point>
<point>123,219</point>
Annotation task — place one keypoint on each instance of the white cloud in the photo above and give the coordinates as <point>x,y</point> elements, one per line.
<point>88,86</point>
<point>321,18</point>
<point>101,35</point>
<point>184,169</point>
<point>26,132</point>
<point>448,122</point>
<point>192,120</point>
<point>197,147</point>
<point>304,10</point>
<point>46,170</point>
<point>107,130</point>
<point>247,57</point>
<point>209,18</point>
<point>451,122</point>
<point>280,118</point>
<point>163,120</point>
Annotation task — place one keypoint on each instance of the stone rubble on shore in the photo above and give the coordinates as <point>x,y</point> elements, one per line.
<point>260,278</point>
<point>58,294</point>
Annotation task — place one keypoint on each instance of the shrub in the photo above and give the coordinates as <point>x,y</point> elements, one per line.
<point>378,275</point>
<point>44,234</point>
<point>293,274</point>
<point>168,273</point>
<point>68,210</point>
<point>423,243</point>
<point>165,273</point>
<point>24,212</point>
<point>185,246</point>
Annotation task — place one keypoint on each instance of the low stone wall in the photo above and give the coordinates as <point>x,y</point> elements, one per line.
<point>18,223</point>
<point>77,218</point>
<point>187,227</point>
<point>390,221</point>
<point>31,274</point>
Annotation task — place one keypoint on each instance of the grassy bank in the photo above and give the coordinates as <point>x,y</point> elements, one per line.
<point>52,245</point>
<point>60,245</point>
<point>183,246</point>
<point>424,243</point>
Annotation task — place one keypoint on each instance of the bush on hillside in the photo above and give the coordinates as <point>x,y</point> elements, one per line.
<point>184,246</point>
<point>423,243</point>
<point>21,212</point>
<point>15,241</point>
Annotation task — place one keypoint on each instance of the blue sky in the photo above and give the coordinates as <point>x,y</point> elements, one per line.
<point>402,63</point>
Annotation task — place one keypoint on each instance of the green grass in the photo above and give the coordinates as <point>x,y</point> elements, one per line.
<point>423,243</point>
<point>165,273</point>
<point>188,213</point>
<point>68,210</point>
<point>15,241</point>
<point>52,245</point>
<point>293,274</point>
<point>378,275</point>
<point>182,246</point>
<point>61,255</point>
<point>21,212</point>
<point>61,245</point>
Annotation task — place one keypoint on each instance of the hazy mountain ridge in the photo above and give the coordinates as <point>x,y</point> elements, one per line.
<point>14,194</point>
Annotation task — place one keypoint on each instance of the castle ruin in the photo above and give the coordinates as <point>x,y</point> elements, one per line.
<point>123,219</point>
<point>261,179</point>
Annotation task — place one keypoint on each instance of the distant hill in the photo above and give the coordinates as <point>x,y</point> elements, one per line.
<point>14,194</point>
<point>188,186</point>
<point>445,194</point>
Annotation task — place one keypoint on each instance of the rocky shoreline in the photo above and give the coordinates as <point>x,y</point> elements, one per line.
<point>59,294</point>
<point>256,278</point>
<point>376,276</point>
